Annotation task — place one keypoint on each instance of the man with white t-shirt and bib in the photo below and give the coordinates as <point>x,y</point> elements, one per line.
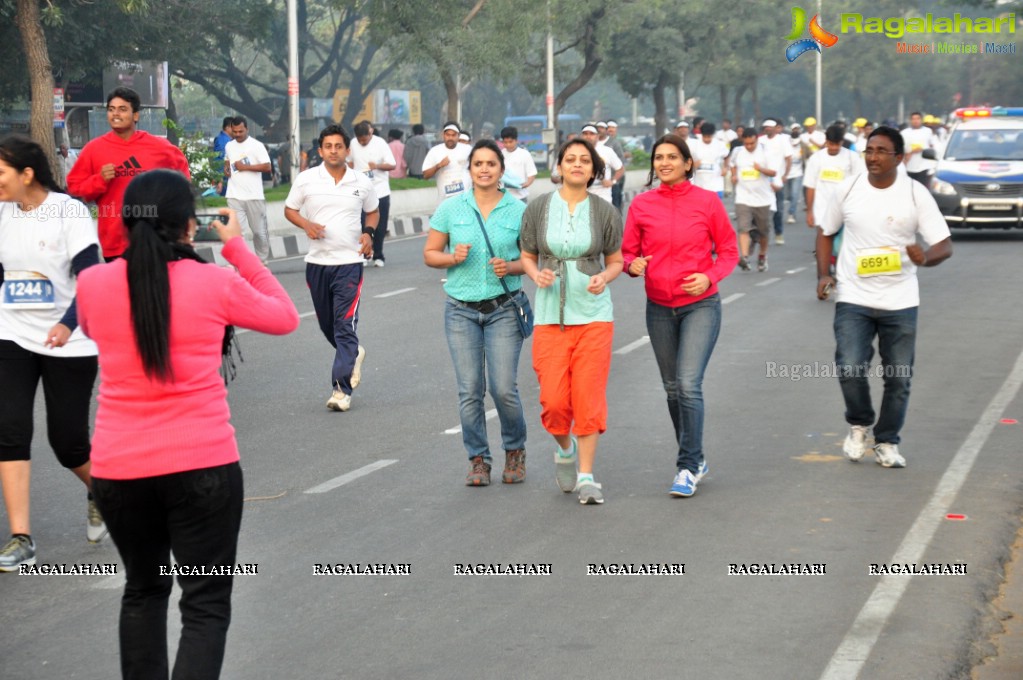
<point>710,160</point>
<point>371,156</point>
<point>877,290</point>
<point>449,162</point>
<point>754,197</point>
<point>917,138</point>
<point>825,172</point>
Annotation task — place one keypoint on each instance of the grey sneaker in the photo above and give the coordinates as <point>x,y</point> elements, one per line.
<point>339,401</point>
<point>357,368</point>
<point>589,493</point>
<point>18,551</point>
<point>855,444</point>
<point>566,467</point>
<point>96,529</point>
<point>887,455</point>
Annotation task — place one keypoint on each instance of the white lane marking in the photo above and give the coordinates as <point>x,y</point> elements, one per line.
<point>239,331</point>
<point>633,345</point>
<point>111,582</point>
<point>492,413</point>
<point>856,647</point>
<point>796,271</point>
<point>394,292</point>
<point>732,298</point>
<point>350,476</point>
<point>768,282</point>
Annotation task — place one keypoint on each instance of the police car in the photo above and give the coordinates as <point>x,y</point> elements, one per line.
<point>978,182</point>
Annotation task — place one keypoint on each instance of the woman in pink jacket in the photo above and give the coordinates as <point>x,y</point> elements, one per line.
<point>679,239</point>
<point>164,456</point>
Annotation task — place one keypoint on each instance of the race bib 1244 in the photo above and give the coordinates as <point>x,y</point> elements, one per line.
<point>27,290</point>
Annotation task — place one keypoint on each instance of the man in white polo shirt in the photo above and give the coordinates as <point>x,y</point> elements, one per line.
<point>449,162</point>
<point>327,202</point>
<point>371,156</point>
<point>245,161</point>
<point>917,138</point>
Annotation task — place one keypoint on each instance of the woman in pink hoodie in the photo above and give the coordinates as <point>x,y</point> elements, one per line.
<point>164,456</point>
<point>679,239</point>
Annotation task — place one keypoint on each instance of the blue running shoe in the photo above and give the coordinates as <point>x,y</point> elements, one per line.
<point>684,485</point>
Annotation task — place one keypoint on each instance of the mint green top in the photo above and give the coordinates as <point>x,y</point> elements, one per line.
<point>474,279</point>
<point>570,236</point>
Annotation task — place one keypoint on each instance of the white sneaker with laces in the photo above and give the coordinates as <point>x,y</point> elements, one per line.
<point>96,528</point>
<point>855,444</point>
<point>339,401</point>
<point>887,455</point>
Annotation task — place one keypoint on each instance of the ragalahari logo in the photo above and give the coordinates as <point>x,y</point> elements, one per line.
<point>818,36</point>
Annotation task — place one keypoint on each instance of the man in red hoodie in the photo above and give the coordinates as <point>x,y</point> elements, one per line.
<point>107,164</point>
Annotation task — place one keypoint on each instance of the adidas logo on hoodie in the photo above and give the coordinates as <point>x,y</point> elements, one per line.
<point>129,168</point>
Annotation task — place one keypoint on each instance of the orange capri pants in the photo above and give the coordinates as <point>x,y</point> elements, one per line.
<point>572,366</point>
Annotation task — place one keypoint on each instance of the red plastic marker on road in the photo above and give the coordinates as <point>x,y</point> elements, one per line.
<point>955,517</point>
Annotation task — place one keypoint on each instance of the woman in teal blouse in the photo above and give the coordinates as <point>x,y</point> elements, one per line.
<point>565,235</point>
<point>479,316</point>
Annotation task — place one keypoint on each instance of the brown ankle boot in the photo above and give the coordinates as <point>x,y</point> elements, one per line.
<point>514,466</point>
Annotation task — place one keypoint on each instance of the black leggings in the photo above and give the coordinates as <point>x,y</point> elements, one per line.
<point>67,388</point>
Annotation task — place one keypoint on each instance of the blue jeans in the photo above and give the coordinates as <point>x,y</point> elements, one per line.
<point>793,192</point>
<point>855,328</point>
<point>683,339</point>
<point>490,342</point>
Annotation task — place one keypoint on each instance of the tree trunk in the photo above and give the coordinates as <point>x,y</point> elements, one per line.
<point>451,88</point>
<point>40,76</point>
<point>660,110</point>
<point>172,115</point>
<point>737,106</point>
<point>723,98</point>
<point>756,99</point>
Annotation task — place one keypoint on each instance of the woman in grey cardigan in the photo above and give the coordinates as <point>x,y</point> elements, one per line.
<point>565,236</point>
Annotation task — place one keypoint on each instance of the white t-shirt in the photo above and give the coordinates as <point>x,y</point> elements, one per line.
<point>778,149</point>
<point>726,137</point>
<point>796,169</point>
<point>247,185</point>
<point>519,163</point>
<point>338,207</point>
<point>36,249</point>
<point>826,173</point>
<point>712,157</point>
<point>377,151</point>
<point>453,178</point>
<point>753,188</point>
<point>612,164</point>
<point>920,138</point>
<point>876,219</point>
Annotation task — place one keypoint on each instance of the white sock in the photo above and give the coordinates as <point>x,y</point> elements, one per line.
<point>583,477</point>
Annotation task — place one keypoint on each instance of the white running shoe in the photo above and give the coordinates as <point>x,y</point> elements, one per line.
<point>96,528</point>
<point>339,401</point>
<point>357,368</point>
<point>887,455</point>
<point>855,444</point>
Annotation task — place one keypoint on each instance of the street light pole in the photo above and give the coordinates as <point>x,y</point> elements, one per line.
<point>295,141</point>
<point>820,56</point>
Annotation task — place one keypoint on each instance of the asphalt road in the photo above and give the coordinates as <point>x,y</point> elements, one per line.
<point>778,492</point>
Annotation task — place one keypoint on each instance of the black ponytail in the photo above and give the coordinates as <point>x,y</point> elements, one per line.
<point>20,152</point>
<point>157,208</point>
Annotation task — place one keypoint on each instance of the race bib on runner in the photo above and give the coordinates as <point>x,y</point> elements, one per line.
<point>832,175</point>
<point>878,261</point>
<point>27,290</point>
<point>749,174</point>
<point>454,188</point>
